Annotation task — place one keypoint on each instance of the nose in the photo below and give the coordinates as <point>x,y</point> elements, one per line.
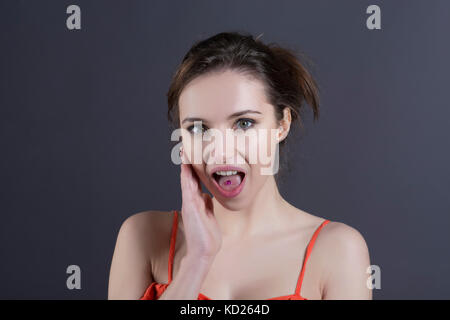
<point>222,148</point>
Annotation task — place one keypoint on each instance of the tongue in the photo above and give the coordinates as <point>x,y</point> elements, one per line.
<point>230,182</point>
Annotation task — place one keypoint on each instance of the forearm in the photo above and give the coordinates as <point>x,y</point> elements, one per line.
<point>187,282</point>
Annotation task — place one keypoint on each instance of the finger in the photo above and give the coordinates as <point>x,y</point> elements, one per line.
<point>187,188</point>
<point>195,179</point>
<point>184,180</point>
<point>190,181</point>
<point>185,175</point>
<point>184,157</point>
<point>181,155</point>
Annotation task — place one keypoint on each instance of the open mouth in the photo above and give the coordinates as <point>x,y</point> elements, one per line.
<point>229,182</point>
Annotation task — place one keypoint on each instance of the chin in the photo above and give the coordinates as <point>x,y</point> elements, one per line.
<point>240,202</point>
<point>234,204</point>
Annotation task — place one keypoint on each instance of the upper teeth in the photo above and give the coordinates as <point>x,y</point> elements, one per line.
<point>226,173</point>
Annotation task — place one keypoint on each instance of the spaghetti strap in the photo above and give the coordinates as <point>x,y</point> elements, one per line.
<point>173,237</point>
<point>307,253</point>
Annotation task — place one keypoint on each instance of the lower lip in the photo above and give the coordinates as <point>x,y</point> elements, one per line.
<point>232,193</point>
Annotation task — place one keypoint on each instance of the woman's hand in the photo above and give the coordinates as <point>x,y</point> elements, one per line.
<point>203,235</point>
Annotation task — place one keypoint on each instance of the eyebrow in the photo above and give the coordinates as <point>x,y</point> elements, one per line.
<point>234,115</point>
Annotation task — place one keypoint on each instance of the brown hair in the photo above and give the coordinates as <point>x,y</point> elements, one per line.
<point>287,82</point>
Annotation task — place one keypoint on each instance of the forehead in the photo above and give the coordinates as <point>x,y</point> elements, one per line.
<point>217,95</point>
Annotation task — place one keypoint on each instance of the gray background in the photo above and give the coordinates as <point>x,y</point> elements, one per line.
<point>85,142</point>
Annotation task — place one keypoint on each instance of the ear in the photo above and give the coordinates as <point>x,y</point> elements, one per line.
<point>285,124</point>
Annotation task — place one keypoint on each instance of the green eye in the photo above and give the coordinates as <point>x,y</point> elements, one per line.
<point>245,123</point>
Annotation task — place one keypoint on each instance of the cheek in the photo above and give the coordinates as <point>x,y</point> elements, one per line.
<point>259,149</point>
<point>192,147</point>
<point>269,164</point>
<point>261,154</point>
<point>255,180</point>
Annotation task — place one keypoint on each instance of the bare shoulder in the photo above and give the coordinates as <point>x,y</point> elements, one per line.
<point>340,235</point>
<point>337,241</point>
<point>148,219</point>
<point>148,227</point>
<point>138,242</point>
<point>345,259</point>
<point>333,235</point>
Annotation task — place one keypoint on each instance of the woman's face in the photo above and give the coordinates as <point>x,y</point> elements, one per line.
<point>232,110</point>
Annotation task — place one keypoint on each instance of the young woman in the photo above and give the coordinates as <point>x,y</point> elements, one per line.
<point>246,241</point>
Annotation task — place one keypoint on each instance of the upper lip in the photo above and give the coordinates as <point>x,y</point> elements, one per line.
<point>226,168</point>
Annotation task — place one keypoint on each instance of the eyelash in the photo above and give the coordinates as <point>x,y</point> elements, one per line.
<point>252,123</point>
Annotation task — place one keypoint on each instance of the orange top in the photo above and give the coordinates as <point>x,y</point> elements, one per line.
<point>155,290</point>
